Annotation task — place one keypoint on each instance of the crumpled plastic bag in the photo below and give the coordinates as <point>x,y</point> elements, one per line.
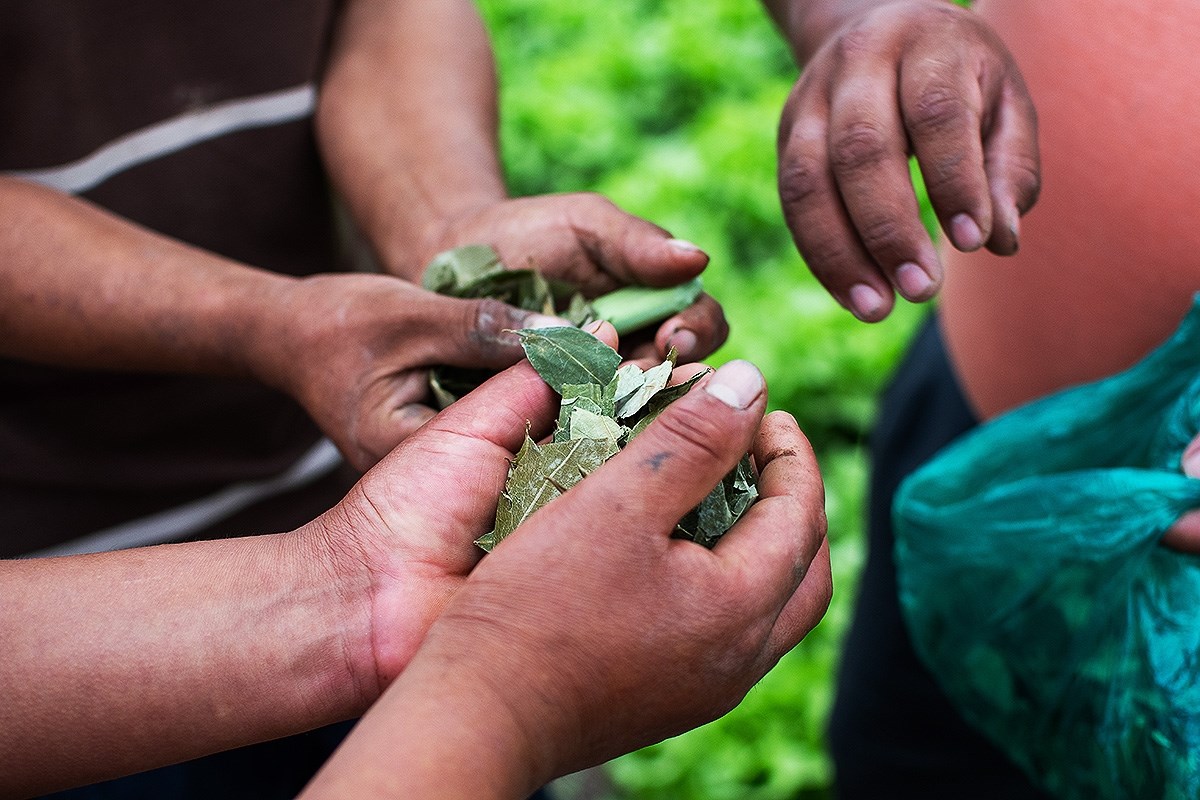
<point>1034,587</point>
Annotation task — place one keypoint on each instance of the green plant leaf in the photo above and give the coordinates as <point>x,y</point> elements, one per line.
<point>540,473</point>
<point>451,270</point>
<point>569,356</point>
<point>654,380</point>
<point>590,425</point>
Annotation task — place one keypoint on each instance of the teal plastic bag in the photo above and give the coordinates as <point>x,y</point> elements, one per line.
<point>1034,587</point>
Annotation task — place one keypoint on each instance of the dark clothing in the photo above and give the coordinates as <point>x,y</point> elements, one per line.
<point>894,734</point>
<point>90,90</point>
<point>192,119</point>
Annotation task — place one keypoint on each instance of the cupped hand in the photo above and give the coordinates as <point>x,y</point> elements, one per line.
<point>917,77</point>
<point>596,632</point>
<point>405,533</point>
<point>586,240</point>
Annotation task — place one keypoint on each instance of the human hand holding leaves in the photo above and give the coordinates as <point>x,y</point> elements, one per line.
<point>603,408</point>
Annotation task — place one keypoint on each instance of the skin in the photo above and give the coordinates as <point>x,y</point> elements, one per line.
<point>242,640</point>
<point>883,81</point>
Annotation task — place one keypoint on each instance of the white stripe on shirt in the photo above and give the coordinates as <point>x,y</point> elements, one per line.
<point>175,134</point>
<point>182,521</point>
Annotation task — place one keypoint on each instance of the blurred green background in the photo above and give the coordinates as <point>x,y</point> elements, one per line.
<point>670,109</point>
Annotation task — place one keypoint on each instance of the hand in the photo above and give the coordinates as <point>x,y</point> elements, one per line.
<point>587,241</point>
<point>573,642</point>
<point>590,631</point>
<point>685,632</point>
<point>919,77</point>
<point>1184,535</point>
<point>355,352</point>
<point>406,530</point>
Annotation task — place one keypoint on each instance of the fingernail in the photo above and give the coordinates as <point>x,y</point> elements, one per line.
<point>865,302</point>
<point>965,233</point>
<point>1014,227</point>
<point>1191,459</point>
<point>683,245</point>
<point>736,384</point>
<point>914,282</point>
<point>594,326</point>
<point>535,321</point>
<point>684,342</point>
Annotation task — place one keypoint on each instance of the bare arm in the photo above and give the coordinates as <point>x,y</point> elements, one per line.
<point>407,124</point>
<point>120,662</point>
<point>80,287</point>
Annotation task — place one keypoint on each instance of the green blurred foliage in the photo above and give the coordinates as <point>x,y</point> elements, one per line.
<point>670,109</point>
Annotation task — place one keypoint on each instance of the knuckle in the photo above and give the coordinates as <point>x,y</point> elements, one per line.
<point>695,435</point>
<point>940,110</point>
<point>801,181</point>
<point>883,236</point>
<point>858,42</point>
<point>859,146</point>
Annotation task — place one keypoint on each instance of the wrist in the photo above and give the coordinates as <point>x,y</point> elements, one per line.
<point>328,549</point>
<point>404,247</point>
<point>808,26</point>
<point>281,333</point>
<point>459,739</point>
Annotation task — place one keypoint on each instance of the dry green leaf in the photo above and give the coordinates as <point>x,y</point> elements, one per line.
<point>654,380</point>
<point>569,356</point>
<point>451,270</point>
<point>540,473</point>
<point>589,425</point>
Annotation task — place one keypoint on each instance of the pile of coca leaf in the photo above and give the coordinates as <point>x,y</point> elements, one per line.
<point>604,406</point>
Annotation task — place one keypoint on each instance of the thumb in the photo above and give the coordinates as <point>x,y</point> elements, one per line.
<point>670,467</point>
<point>473,333</point>
<point>631,249</point>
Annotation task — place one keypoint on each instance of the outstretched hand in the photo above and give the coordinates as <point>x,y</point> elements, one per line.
<point>915,77</point>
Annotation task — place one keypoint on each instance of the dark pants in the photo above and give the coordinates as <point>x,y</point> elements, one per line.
<point>893,732</point>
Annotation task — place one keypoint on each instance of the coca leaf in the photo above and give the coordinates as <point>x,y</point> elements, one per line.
<point>589,425</point>
<point>569,356</point>
<point>540,473</point>
<point>661,400</point>
<point>722,507</point>
<point>588,396</point>
<point>451,270</point>
<point>654,380</point>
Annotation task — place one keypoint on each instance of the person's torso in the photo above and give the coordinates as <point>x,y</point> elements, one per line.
<point>1110,256</point>
<point>192,119</point>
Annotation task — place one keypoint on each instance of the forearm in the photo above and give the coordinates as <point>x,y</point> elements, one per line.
<point>435,734</point>
<point>80,287</point>
<point>807,24</point>
<point>123,661</point>
<point>407,122</point>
